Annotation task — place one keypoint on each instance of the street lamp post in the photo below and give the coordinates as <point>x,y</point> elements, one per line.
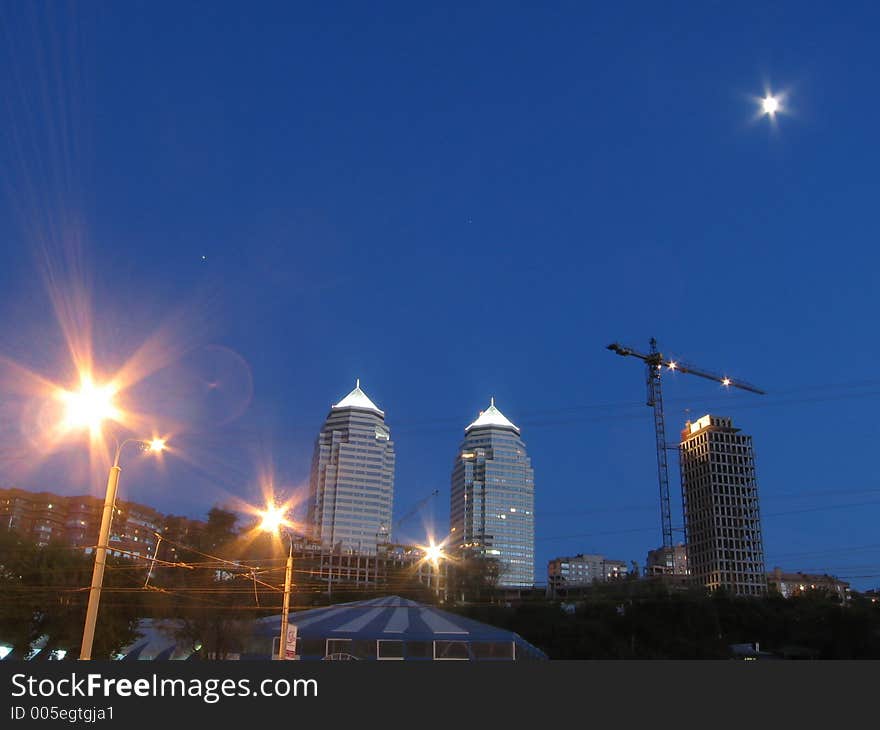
<point>275,522</point>
<point>433,555</point>
<point>285,610</point>
<point>88,408</point>
<point>155,445</point>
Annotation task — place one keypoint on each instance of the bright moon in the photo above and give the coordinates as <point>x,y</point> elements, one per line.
<point>770,105</point>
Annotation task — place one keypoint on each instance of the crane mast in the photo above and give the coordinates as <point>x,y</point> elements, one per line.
<point>654,364</point>
<point>653,369</point>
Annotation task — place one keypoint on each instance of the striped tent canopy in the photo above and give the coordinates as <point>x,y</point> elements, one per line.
<point>157,641</point>
<point>391,628</point>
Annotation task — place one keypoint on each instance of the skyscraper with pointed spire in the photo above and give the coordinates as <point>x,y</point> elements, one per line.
<point>351,489</point>
<point>492,504</point>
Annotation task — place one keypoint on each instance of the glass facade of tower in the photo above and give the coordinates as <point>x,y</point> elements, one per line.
<point>351,490</point>
<point>492,505</point>
<point>722,519</point>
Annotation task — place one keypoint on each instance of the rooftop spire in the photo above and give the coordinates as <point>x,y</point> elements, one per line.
<point>358,399</point>
<point>492,417</point>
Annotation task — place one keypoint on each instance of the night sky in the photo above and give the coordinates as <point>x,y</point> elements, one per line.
<point>453,203</point>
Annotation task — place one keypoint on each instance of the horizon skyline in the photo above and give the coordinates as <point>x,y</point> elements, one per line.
<point>235,504</point>
<point>451,204</point>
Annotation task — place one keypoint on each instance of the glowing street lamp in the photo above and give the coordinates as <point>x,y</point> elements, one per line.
<point>433,554</point>
<point>273,520</point>
<point>89,408</point>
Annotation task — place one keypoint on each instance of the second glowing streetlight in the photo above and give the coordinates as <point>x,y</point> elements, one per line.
<point>273,522</point>
<point>433,554</point>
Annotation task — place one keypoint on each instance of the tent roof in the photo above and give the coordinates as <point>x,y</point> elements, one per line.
<point>391,617</point>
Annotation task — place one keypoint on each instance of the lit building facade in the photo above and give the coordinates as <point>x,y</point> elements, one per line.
<point>720,495</point>
<point>581,570</point>
<point>664,561</point>
<point>39,516</point>
<point>44,518</point>
<point>351,490</point>
<point>492,502</point>
<point>799,584</point>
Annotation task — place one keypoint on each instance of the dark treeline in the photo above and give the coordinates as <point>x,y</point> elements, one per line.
<point>639,620</point>
<point>227,575</point>
<point>207,596</point>
<point>43,597</point>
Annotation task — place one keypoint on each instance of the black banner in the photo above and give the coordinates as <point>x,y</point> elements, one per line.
<point>162,693</point>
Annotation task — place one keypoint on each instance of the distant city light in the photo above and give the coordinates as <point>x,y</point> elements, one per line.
<point>725,381</point>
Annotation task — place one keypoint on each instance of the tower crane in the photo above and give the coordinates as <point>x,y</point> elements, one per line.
<point>655,361</point>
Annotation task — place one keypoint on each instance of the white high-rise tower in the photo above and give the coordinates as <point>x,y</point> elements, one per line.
<point>351,490</point>
<point>492,506</point>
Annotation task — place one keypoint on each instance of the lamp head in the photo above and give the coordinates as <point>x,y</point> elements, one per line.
<point>156,446</point>
<point>272,519</point>
<point>89,406</point>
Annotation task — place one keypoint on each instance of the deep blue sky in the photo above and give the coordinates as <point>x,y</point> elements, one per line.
<point>455,203</point>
